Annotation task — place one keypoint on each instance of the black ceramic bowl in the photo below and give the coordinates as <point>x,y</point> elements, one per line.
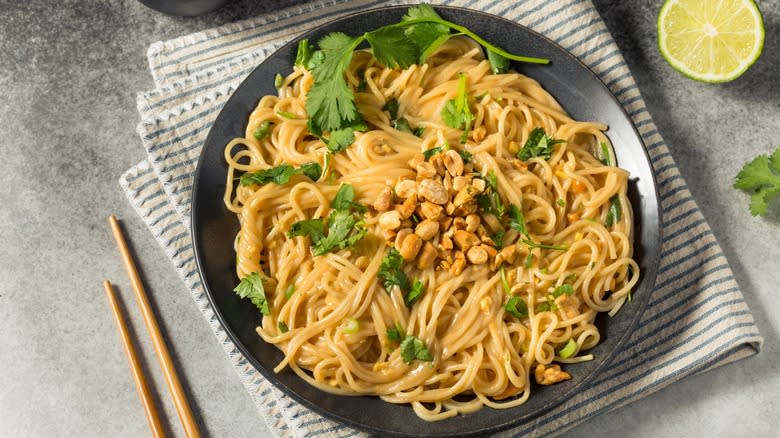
<point>583,95</point>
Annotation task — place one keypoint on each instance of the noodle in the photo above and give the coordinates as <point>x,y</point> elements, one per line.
<point>481,354</point>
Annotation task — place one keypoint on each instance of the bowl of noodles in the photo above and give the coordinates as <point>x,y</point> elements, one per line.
<point>463,250</point>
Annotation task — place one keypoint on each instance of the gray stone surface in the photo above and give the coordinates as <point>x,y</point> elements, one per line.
<point>69,71</point>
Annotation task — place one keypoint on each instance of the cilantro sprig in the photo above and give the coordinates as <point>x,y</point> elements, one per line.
<point>281,174</point>
<point>330,103</point>
<point>413,348</point>
<point>252,287</point>
<point>456,112</point>
<point>392,274</point>
<point>761,178</point>
<point>344,225</point>
<point>539,144</point>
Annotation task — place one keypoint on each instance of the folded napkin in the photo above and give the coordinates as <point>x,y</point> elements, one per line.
<point>697,318</point>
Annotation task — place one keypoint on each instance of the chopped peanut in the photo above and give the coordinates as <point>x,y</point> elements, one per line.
<point>410,246</point>
<point>431,211</point>
<point>478,134</point>
<point>406,188</point>
<point>465,195</point>
<point>472,223</point>
<point>491,252</point>
<point>416,159</point>
<point>458,264</point>
<point>438,164</point>
<point>427,256</point>
<point>549,375</point>
<point>402,233</point>
<point>519,165</point>
<point>433,191</point>
<point>459,182</point>
<point>389,235</point>
<point>427,229</point>
<point>453,162</point>
<point>390,220</point>
<point>465,240</point>
<point>382,202</point>
<point>425,170</point>
<point>477,255</point>
<point>407,208</point>
<point>478,184</point>
<point>569,304</point>
<point>573,217</point>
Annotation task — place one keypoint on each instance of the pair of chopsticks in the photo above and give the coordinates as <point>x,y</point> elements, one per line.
<point>171,378</point>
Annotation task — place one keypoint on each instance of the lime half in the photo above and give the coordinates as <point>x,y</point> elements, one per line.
<point>711,40</point>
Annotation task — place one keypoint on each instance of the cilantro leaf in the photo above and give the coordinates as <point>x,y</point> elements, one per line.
<point>431,152</point>
<point>418,288</point>
<point>489,200</point>
<point>391,106</point>
<point>344,230</point>
<point>761,178</point>
<point>282,327</point>
<point>563,289</point>
<point>498,239</point>
<point>413,348</point>
<point>340,139</point>
<point>312,170</point>
<point>605,155</point>
<point>252,287</point>
<point>516,307</point>
<point>426,36</point>
<point>330,103</point>
<point>281,174</point>
<point>456,112</point>
<point>517,220</point>
<point>289,292</point>
<point>539,144</point>
<point>396,333</point>
<point>392,48</point>
<point>307,57</point>
<point>390,271</point>
<point>344,199</point>
<point>403,125</point>
<point>498,63</point>
<point>277,175</point>
<point>313,228</point>
<point>466,156</point>
<point>614,212</point>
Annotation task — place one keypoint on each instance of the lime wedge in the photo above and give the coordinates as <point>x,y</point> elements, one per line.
<point>711,40</point>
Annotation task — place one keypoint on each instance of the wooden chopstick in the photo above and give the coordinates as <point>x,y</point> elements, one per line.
<point>171,378</point>
<point>135,366</point>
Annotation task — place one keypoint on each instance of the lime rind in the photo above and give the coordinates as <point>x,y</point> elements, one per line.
<point>713,78</point>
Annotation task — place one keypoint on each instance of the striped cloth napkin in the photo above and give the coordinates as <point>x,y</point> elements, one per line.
<point>697,318</point>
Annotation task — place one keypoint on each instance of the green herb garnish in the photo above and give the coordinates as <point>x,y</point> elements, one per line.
<point>418,288</point>
<point>761,178</point>
<point>605,160</point>
<point>252,287</point>
<point>262,130</point>
<point>432,151</point>
<point>517,220</point>
<point>413,348</point>
<point>489,201</point>
<point>278,81</point>
<point>504,281</point>
<point>351,326</point>
<point>281,174</point>
<point>563,289</point>
<point>456,113</point>
<point>282,327</point>
<point>516,307</point>
<point>330,103</point>
<point>391,106</point>
<point>614,212</point>
<point>498,239</point>
<point>403,125</point>
<point>466,156</point>
<point>390,272</point>
<point>396,333</point>
<point>289,292</point>
<point>498,63</point>
<point>539,144</point>
<point>561,203</point>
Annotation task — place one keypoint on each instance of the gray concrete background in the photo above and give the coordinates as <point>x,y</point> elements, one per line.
<point>69,72</point>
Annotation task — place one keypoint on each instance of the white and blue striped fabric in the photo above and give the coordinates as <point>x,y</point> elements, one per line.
<point>697,318</point>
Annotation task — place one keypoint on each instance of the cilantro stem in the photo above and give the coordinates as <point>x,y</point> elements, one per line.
<point>465,31</point>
